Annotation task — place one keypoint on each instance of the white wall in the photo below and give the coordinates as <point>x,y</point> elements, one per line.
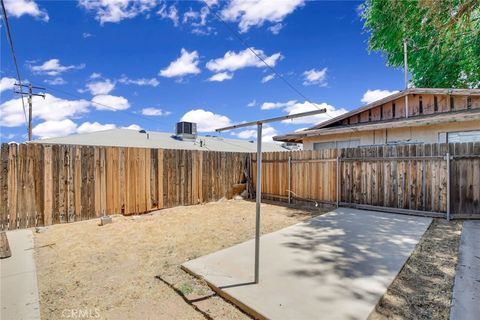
<point>425,134</point>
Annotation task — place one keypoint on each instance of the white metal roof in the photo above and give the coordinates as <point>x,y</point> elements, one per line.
<point>134,138</point>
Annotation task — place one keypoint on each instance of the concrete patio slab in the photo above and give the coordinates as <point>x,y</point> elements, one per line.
<point>19,290</point>
<point>336,266</point>
<point>466,290</point>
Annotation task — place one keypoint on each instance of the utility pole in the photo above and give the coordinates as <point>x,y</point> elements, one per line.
<point>30,95</point>
<point>405,62</point>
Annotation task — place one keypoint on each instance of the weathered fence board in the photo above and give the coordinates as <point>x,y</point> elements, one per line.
<point>407,177</point>
<point>44,185</point>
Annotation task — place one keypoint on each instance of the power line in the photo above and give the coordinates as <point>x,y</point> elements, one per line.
<point>12,49</point>
<point>246,45</point>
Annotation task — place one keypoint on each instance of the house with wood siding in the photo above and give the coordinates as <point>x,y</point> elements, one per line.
<point>415,115</point>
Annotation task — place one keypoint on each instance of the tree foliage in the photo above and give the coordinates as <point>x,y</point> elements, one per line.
<point>443,39</point>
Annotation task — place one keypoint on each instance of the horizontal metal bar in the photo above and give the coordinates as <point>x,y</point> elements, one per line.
<point>393,158</point>
<point>394,210</point>
<point>291,116</point>
<point>467,156</point>
<point>473,216</point>
<point>297,161</point>
<point>377,159</point>
<point>298,198</point>
<point>315,160</point>
<point>271,161</point>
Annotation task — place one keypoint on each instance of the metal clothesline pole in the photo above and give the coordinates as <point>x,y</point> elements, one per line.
<point>259,125</point>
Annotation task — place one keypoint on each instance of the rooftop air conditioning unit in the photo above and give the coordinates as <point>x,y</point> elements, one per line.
<point>186,130</point>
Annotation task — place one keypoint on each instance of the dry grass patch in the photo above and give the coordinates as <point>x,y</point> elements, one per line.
<point>423,289</point>
<point>111,269</point>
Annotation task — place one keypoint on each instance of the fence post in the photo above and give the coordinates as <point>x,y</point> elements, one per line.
<point>448,185</point>
<point>338,181</point>
<point>289,179</point>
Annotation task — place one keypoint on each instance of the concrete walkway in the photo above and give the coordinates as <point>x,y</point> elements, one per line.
<point>466,291</point>
<point>19,291</point>
<point>336,266</point>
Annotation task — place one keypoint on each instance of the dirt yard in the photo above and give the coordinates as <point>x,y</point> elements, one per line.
<point>109,272</point>
<point>423,289</point>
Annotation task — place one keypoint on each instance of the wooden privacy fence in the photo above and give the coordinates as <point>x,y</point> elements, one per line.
<point>43,185</point>
<point>418,179</point>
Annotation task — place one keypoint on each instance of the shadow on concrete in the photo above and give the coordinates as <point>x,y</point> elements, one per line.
<point>378,245</point>
<point>353,252</point>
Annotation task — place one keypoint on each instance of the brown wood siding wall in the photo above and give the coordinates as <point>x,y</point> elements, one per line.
<point>428,107</point>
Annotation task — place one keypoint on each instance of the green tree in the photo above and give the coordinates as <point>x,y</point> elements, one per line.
<point>443,39</point>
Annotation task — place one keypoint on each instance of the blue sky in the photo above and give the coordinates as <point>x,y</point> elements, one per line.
<point>148,64</point>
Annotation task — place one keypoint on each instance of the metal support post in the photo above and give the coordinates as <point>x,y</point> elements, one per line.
<point>338,181</point>
<point>289,179</point>
<point>447,156</point>
<point>259,200</point>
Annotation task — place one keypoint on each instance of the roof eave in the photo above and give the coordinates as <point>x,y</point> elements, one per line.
<point>467,92</point>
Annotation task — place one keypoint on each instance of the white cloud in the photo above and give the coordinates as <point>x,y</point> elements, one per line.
<point>139,82</point>
<point>211,3</point>
<point>54,128</point>
<point>207,121</point>
<point>133,127</point>
<point>268,132</point>
<point>233,61</point>
<point>251,13</point>
<point>99,87</point>
<point>53,67</point>
<point>18,8</point>
<point>275,29</point>
<point>252,103</point>
<point>373,95</point>
<point>7,83</point>
<point>196,18</point>
<point>8,136</point>
<point>268,78</point>
<point>50,108</point>
<point>117,10</point>
<point>87,127</point>
<point>55,81</point>
<point>277,105</point>
<point>204,31</point>
<point>86,35</point>
<point>186,64</point>
<point>313,76</point>
<point>222,76</point>
<point>109,102</point>
<point>95,75</point>
<point>169,13</point>
<point>155,112</point>
<point>307,106</point>
<point>60,128</point>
